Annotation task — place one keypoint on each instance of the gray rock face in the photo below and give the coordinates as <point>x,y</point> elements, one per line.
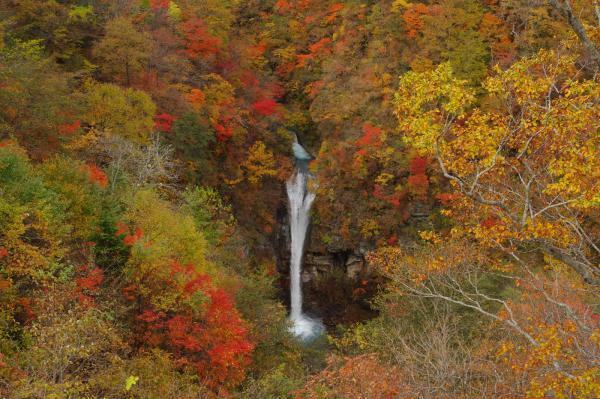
<point>320,261</point>
<point>353,265</point>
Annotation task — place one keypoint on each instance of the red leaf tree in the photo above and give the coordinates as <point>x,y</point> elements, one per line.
<point>265,107</point>
<point>199,41</point>
<point>204,330</point>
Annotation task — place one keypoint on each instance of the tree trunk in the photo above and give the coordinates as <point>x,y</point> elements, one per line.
<point>587,272</point>
<point>565,8</point>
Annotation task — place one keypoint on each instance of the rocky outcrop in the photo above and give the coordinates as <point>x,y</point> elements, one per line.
<point>352,264</point>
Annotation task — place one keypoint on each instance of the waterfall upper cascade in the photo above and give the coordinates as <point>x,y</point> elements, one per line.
<point>301,200</point>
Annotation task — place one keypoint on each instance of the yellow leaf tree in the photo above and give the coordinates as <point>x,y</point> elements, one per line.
<point>525,160</point>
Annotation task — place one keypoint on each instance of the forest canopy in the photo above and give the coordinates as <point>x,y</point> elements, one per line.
<point>144,238</point>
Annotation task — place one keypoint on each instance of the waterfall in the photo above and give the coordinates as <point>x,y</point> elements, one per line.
<point>300,202</point>
<point>300,199</point>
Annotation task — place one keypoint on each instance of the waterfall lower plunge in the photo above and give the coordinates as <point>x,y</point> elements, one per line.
<point>301,199</point>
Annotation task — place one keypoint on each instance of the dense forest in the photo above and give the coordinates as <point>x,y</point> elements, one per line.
<point>145,147</point>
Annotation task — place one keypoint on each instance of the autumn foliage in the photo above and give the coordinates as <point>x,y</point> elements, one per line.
<point>265,107</point>
<point>199,42</point>
<point>418,180</point>
<point>163,122</point>
<point>453,242</point>
<point>413,18</point>
<point>358,377</point>
<point>159,4</point>
<point>87,284</point>
<point>211,338</point>
<point>97,175</point>
<point>370,137</point>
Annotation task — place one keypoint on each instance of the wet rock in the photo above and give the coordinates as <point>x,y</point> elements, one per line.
<point>307,275</point>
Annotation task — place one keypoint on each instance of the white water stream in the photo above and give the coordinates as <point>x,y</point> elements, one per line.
<point>301,200</point>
